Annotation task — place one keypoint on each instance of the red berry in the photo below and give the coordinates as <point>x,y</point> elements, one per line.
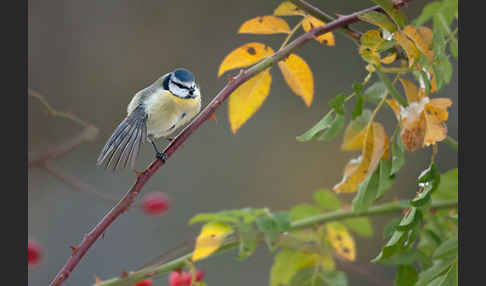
<point>34,253</point>
<point>155,203</point>
<point>199,275</point>
<point>146,282</point>
<point>186,278</point>
<point>175,279</point>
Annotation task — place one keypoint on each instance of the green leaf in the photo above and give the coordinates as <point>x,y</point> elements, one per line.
<point>375,92</point>
<point>307,277</point>
<point>216,217</point>
<point>428,12</point>
<point>327,200</point>
<point>451,278</point>
<point>393,246</point>
<point>283,221</point>
<point>437,269</point>
<point>367,191</point>
<point>358,107</point>
<point>448,185</point>
<point>447,248</point>
<point>406,275</point>
<point>336,127</point>
<point>386,178</point>
<point>443,71</point>
<point>272,225</point>
<point>248,240</point>
<point>454,47</point>
<point>337,103</point>
<point>421,199</point>
<point>398,155</point>
<point>335,278</point>
<point>413,217</point>
<point>302,211</point>
<point>322,125</point>
<point>360,225</point>
<point>389,228</point>
<point>287,263</point>
<point>397,15</point>
<point>408,256</point>
<point>378,19</point>
<point>429,179</point>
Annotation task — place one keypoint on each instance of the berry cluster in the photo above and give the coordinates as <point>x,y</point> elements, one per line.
<point>179,278</point>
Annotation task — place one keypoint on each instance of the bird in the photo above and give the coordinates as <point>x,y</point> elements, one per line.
<point>155,111</point>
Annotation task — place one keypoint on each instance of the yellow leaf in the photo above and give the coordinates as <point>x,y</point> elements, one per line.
<point>413,133</point>
<point>357,170</point>
<point>309,23</point>
<point>210,239</point>
<point>372,39</point>
<point>422,37</point>
<point>412,52</point>
<point>298,76</point>
<point>435,116</point>
<point>395,107</point>
<point>340,239</point>
<point>411,91</point>
<point>248,98</point>
<point>244,56</point>
<point>265,25</point>
<point>389,59</point>
<point>288,8</point>
<point>353,140</point>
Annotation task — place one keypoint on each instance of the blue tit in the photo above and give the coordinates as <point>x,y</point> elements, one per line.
<point>155,111</point>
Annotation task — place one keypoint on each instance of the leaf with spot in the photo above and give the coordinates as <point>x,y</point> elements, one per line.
<point>340,239</point>
<point>288,8</point>
<point>422,37</point>
<point>265,25</point>
<point>298,76</point>
<point>248,98</point>
<point>413,53</point>
<point>245,55</point>
<point>210,239</point>
<point>310,22</point>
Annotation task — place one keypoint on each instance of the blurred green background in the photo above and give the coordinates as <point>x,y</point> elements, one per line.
<point>90,57</point>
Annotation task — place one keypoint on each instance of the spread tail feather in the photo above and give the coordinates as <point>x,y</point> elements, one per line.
<point>123,146</point>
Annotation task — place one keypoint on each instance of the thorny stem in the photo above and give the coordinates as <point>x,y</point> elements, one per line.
<point>396,206</point>
<point>143,177</point>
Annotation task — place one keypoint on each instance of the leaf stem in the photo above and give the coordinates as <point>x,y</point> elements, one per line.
<point>394,93</point>
<point>452,143</point>
<point>291,34</point>
<point>391,207</point>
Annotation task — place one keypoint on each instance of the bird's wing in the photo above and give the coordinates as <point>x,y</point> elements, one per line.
<point>123,145</point>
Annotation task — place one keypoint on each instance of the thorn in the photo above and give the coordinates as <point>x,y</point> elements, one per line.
<point>103,235</point>
<point>73,249</point>
<point>150,274</point>
<point>212,116</point>
<point>230,78</point>
<point>339,15</point>
<point>124,274</point>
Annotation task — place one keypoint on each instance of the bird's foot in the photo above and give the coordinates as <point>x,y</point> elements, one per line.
<point>161,156</point>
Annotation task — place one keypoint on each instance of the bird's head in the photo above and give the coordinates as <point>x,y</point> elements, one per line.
<point>181,83</point>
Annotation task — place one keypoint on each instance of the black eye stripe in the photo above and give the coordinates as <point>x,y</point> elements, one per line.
<point>180,85</point>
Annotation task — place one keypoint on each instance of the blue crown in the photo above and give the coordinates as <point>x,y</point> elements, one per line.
<point>184,75</point>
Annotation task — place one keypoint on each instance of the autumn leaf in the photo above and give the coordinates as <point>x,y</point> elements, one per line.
<point>244,56</point>
<point>298,76</point>
<point>248,98</point>
<point>389,59</point>
<point>264,25</point>
<point>374,146</point>
<point>355,133</point>
<point>288,8</point>
<point>413,53</point>
<point>210,239</point>
<point>340,239</point>
<point>422,37</point>
<point>423,121</point>
<point>309,23</point>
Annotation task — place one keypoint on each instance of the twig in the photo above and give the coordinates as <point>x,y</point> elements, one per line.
<point>205,114</point>
<point>75,183</point>
<point>396,206</point>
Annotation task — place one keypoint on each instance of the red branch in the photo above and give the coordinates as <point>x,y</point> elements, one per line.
<point>145,176</point>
